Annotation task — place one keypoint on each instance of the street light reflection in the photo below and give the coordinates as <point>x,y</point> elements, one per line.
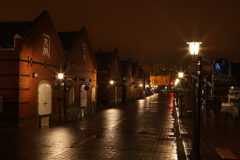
<point>141,103</point>
<point>171,99</point>
<point>114,115</point>
<point>58,140</point>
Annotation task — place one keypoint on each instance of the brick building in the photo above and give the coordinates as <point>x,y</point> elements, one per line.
<point>109,69</point>
<point>80,77</point>
<point>136,82</point>
<point>128,80</point>
<point>31,55</point>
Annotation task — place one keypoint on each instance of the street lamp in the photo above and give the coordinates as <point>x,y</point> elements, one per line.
<point>110,87</point>
<point>60,76</point>
<point>195,153</point>
<point>180,75</point>
<point>111,82</point>
<point>194,47</point>
<point>176,82</point>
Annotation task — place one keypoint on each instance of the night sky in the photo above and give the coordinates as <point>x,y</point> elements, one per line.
<point>153,31</point>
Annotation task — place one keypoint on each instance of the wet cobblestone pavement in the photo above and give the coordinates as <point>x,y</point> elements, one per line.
<point>143,129</point>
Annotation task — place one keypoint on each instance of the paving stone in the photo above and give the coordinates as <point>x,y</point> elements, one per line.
<point>143,129</point>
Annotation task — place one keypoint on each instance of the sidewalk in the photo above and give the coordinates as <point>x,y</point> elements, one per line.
<point>217,130</point>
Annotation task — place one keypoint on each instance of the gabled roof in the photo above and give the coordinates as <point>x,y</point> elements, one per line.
<point>70,39</point>
<point>104,59</point>
<point>9,29</point>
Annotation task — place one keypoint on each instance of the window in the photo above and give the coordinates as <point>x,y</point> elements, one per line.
<point>71,96</point>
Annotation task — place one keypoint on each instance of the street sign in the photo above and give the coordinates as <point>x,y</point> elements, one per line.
<point>221,66</point>
<point>86,88</point>
<point>179,88</point>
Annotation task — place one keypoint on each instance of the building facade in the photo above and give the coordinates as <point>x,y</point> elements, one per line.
<point>31,55</point>
<point>109,76</point>
<point>80,77</point>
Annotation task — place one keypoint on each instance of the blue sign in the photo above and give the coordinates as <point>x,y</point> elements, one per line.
<point>86,88</point>
<point>220,66</point>
<point>179,88</point>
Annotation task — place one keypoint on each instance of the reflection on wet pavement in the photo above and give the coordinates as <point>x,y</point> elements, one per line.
<point>143,129</point>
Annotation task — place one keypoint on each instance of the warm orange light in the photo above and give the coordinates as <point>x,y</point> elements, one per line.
<point>111,82</point>
<point>180,74</point>
<point>194,47</point>
<point>176,81</point>
<point>60,75</point>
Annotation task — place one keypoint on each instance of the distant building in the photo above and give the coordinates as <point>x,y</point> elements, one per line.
<point>109,77</point>
<point>80,75</point>
<point>159,75</point>
<point>127,92</point>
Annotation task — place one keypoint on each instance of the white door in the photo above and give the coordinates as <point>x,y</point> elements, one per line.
<point>44,98</point>
<point>83,96</point>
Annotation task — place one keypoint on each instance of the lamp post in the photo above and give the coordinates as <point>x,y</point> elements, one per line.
<point>60,77</point>
<point>195,153</point>
<point>180,75</point>
<point>110,88</point>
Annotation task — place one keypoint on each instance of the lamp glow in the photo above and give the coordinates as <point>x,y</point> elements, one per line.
<point>111,82</point>
<point>194,47</point>
<point>180,74</point>
<point>176,81</point>
<point>60,75</point>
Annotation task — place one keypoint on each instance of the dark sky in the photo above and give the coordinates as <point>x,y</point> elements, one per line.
<point>154,31</point>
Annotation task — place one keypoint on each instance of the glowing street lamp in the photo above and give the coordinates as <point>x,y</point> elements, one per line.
<point>111,82</point>
<point>60,75</point>
<point>176,81</point>
<point>180,74</point>
<point>194,47</point>
<point>195,153</point>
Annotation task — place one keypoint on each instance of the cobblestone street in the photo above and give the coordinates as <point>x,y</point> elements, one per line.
<point>143,129</point>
